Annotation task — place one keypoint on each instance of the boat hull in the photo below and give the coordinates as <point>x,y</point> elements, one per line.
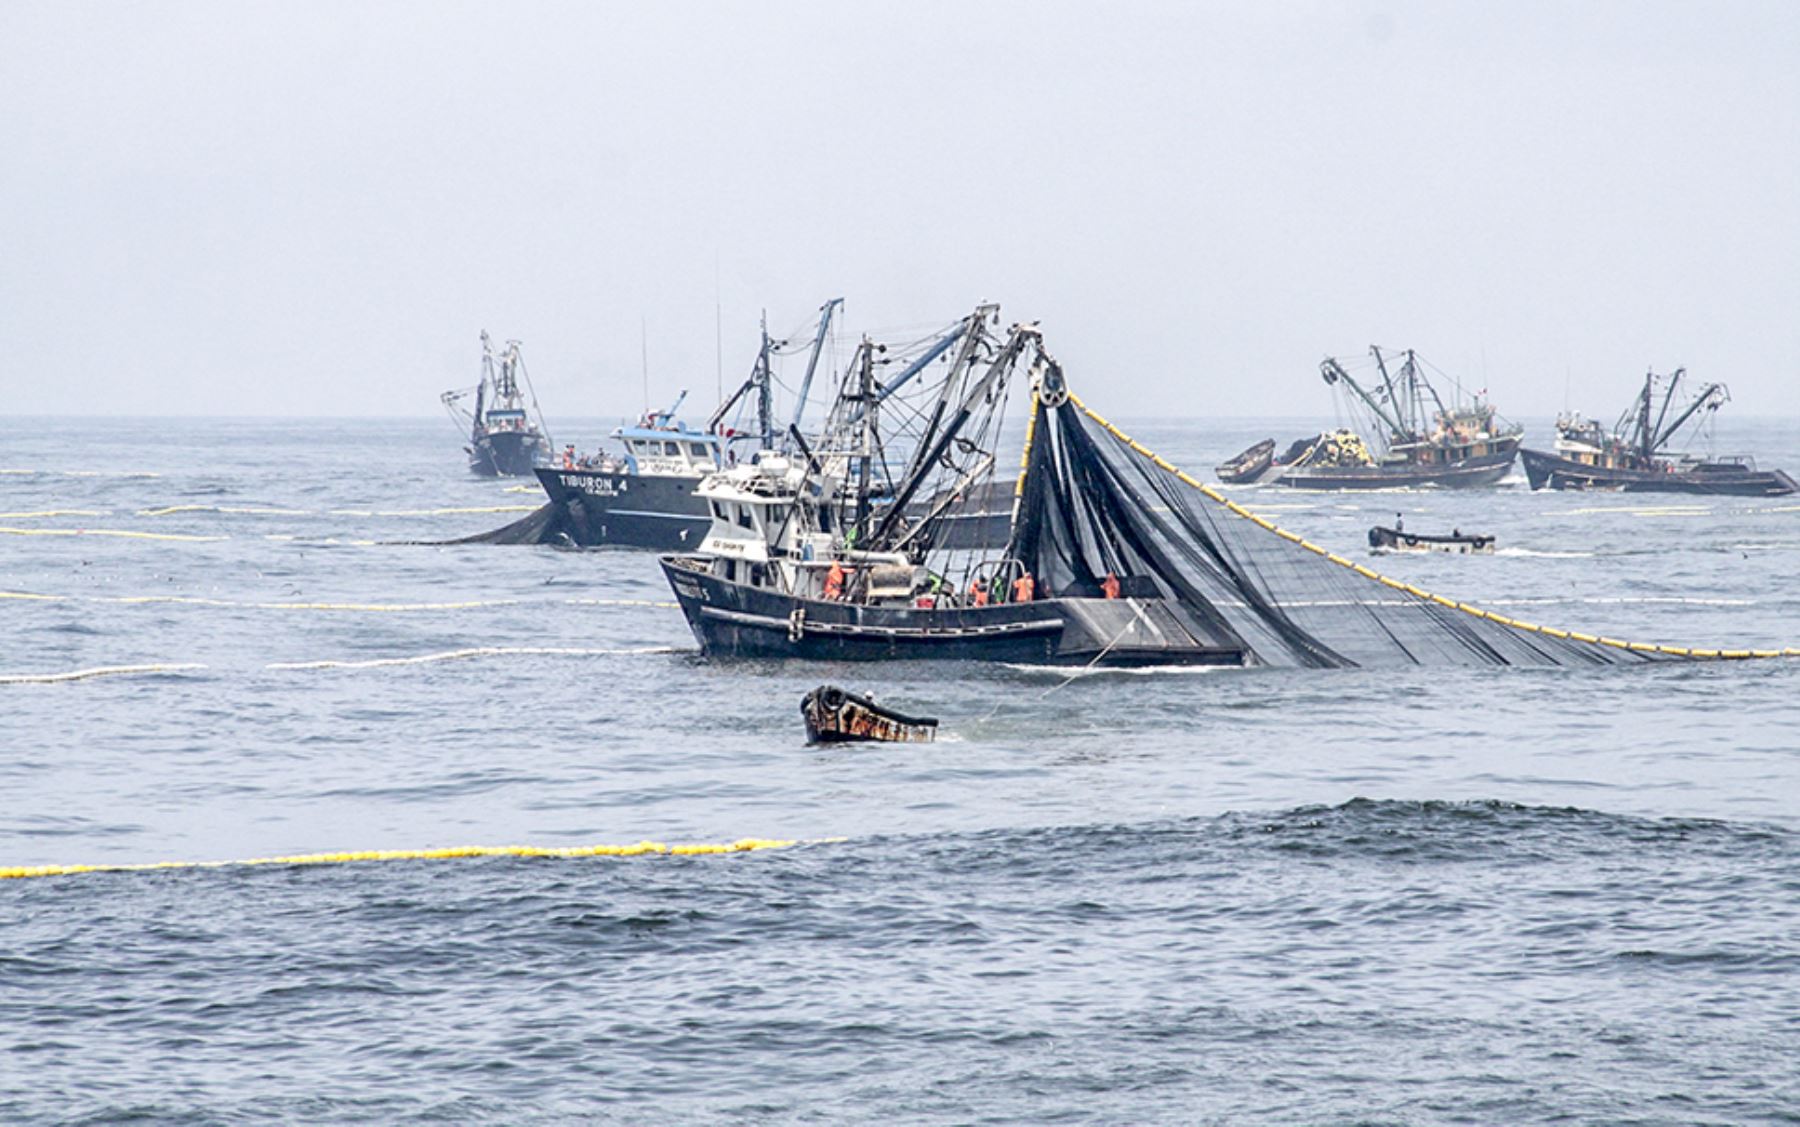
<point>1395,540</point>
<point>835,716</point>
<point>507,453</point>
<point>1468,473</point>
<point>608,507</point>
<point>1549,471</point>
<point>1250,466</point>
<point>732,619</point>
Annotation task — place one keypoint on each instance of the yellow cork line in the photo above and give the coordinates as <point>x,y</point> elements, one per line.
<point>1367,573</point>
<point>453,853</point>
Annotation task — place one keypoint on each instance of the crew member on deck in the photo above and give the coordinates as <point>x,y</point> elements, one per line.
<point>1110,586</point>
<point>978,593</point>
<point>1024,588</point>
<point>834,582</point>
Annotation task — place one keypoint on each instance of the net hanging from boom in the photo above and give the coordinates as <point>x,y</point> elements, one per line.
<point>1092,502</point>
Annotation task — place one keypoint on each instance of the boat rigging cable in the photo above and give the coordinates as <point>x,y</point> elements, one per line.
<point>1092,501</point>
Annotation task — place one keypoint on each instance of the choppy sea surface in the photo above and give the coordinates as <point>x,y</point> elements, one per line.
<point>1360,896</point>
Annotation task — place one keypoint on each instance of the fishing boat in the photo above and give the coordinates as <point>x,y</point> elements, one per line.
<point>647,495</point>
<point>833,715</point>
<point>1634,457</point>
<point>504,438</point>
<point>822,553</point>
<point>1420,439</point>
<point>1383,539</point>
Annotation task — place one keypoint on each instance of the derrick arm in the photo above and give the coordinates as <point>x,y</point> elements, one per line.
<point>1332,371</point>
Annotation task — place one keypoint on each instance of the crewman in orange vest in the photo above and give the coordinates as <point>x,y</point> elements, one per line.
<point>569,456</point>
<point>1024,588</point>
<point>1110,586</point>
<point>834,582</point>
<point>978,593</point>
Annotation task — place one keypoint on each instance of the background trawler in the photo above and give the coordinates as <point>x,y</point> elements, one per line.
<point>505,439</point>
<point>1634,456</point>
<point>1420,440</point>
<point>646,495</point>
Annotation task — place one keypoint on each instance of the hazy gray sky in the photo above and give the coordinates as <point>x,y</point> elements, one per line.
<point>314,208</point>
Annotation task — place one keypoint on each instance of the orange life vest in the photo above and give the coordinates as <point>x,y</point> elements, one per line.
<point>1024,588</point>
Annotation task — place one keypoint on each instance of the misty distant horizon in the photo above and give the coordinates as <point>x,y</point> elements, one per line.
<point>270,210</point>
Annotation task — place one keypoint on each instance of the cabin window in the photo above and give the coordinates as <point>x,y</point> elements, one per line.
<point>672,449</point>
<point>825,519</point>
<point>698,450</point>
<point>718,511</point>
<point>743,517</point>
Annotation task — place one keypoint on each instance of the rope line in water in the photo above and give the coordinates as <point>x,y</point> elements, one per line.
<point>118,532</point>
<point>97,671</point>
<point>370,663</point>
<point>638,849</point>
<point>235,510</point>
<point>1369,573</point>
<point>370,608</point>
<point>465,654</point>
<point>55,513</point>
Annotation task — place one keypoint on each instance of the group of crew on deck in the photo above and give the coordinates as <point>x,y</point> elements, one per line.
<point>839,585</point>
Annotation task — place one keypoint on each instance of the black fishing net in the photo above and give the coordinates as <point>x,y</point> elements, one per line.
<point>1095,503</point>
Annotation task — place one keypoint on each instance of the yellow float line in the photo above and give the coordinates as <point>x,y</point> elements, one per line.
<point>107,532</point>
<point>98,671</point>
<point>1367,573</point>
<point>640,849</point>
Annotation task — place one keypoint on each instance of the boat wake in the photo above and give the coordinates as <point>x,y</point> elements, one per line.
<point>1540,554</point>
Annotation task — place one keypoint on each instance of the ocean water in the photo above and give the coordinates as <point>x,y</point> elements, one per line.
<point>1354,896</point>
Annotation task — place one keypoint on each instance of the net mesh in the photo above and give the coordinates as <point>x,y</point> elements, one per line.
<point>1093,502</point>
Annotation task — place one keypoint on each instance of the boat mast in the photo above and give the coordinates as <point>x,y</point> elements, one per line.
<point>1333,372</point>
<point>866,393</point>
<point>1381,364</point>
<point>1668,398</point>
<point>812,362</point>
<point>1415,378</point>
<point>759,381</point>
<point>946,425</point>
<point>1642,439</point>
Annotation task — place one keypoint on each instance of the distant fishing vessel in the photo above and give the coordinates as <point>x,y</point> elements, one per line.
<point>648,498</point>
<point>1421,440</point>
<point>1633,457</point>
<point>504,439</point>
